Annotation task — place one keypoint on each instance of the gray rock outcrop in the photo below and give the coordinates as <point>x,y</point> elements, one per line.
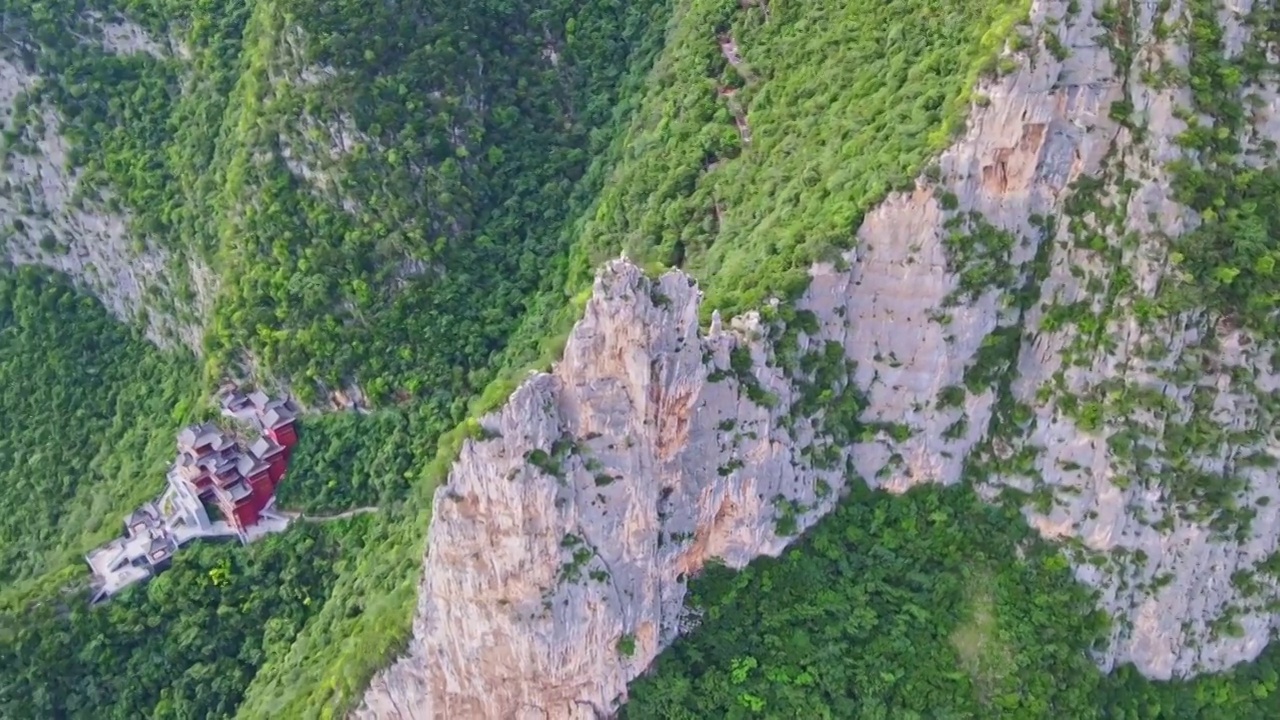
<point>49,218</point>
<point>1165,575</point>
<point>602,487</point>
<point>561,543</point>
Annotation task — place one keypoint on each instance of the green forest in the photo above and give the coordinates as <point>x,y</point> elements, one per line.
<point>404,268</point>
<point>929,605</point>
<point>185,645</point>
<point>91,410</point>
<point>352,460</point>
<point>90,413</point>
<point>841,102</point>
<point>411,197</point>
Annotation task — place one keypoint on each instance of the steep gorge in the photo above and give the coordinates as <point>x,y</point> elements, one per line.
<point>1070,308</point>
<point>1017,321</point>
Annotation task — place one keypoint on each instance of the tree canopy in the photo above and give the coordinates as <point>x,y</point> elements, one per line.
<point>90,410</point>
<point>411,197</point>
<point>929,605</point>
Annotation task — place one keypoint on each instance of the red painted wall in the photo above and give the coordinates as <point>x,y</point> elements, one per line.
<point>264,485</point>
<point>286,435</point>
<point>246,514</point>
<point>278,465</point>
<point>262,489</point>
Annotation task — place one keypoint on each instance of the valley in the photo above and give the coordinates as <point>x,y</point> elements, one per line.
<point>701,358</point>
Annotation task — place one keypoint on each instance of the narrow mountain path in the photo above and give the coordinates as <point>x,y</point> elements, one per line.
<point>293,515</point>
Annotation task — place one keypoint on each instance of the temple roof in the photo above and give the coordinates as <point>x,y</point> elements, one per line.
<point>249,465</point>
<point>142,515</point>
<point>259,399</point>
<point>235,401</point>
<point>264,447</point>
<point>160,542</point>
<point>277,417</point>
<point>194,436</point>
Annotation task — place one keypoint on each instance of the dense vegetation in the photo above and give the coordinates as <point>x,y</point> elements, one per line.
<point>365,622</point>
<point>351,460</point>
<point>185,645</point>
<point>929,605</point>
<point>407,196</point>
<point>1229,260</point>
<point>384,189</point>
<point>379,187</point>
<point>89,411</point>
<point>766,133</point>
<point>400,260</point>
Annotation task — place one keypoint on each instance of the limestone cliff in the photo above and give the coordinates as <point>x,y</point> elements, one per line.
<point>601,488</point>
<point>917,331</point>
<point>53,215</point>
<point>48,217</point>
<point>936,352</point>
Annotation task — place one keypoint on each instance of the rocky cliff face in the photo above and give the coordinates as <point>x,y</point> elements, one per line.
<point>48,217</point>
<point>568,535</point>
<point>52,215</point>
<point>977,334</point>
<point>919,331</point>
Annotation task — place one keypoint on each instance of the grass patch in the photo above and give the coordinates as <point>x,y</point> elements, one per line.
<point>984,656</point>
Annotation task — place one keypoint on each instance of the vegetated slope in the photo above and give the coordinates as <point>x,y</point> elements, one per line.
<point>185,645</point>
<point>89,412</point>
<point>359,194</point>
<point>1091,293</point>
<point>767,131</point>
<point>470,126</point>
<point>349,460</point>
<point>1023,320</point>
<point>300,209</point>
<point>931,604</point>
<point>1074,306</point>
<point>355,194</point>
<point>689,71</point>
<point>685,120</point>
<point>759,140</point>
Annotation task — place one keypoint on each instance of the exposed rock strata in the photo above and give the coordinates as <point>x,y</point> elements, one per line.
<point>637,457</point>
<point>1045,127</point>
<point>51,216</point>
<point>502,632</point>
<point>46,218</point>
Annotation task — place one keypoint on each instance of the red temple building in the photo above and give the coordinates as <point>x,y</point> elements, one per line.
<point>275,456</point>
<point>212,470</point>
<point>240,482</point>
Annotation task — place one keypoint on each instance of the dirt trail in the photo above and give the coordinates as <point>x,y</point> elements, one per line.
<point>326,518</point>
